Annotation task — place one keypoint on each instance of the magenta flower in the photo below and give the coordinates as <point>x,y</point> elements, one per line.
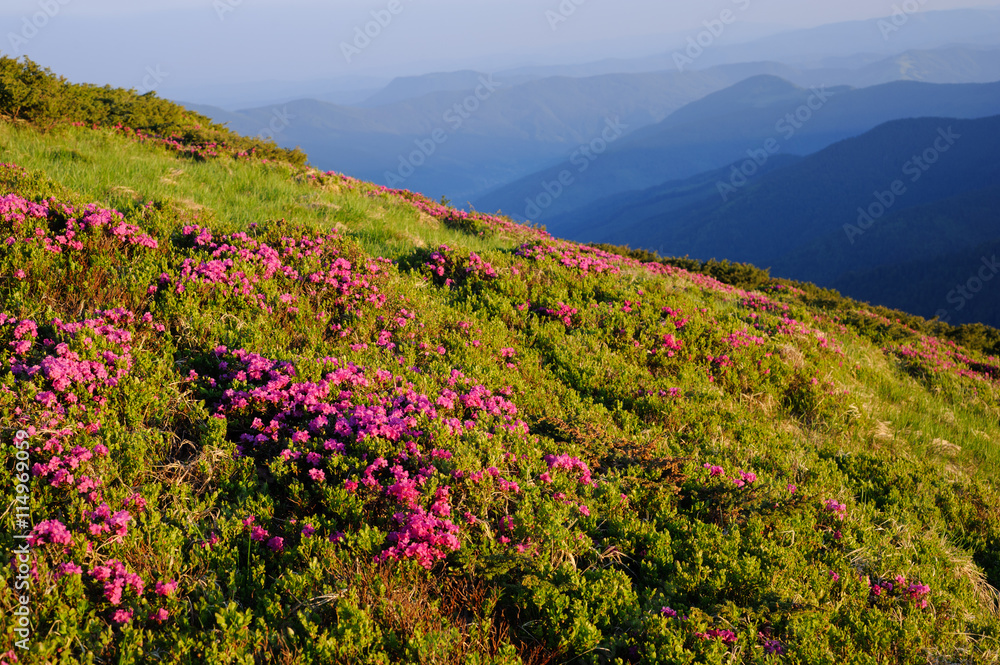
<point>50,531</point>
<point>714,470</point>
<point>724,636</point>
<point>122,616</point>
<point>69,568</point>
<point>838,509</point>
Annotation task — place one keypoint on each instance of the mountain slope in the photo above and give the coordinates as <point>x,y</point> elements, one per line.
<point>267,413</point>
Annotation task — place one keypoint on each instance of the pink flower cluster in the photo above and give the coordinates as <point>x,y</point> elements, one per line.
<point>239,263</point>
<point>742,338</point>
<point>71,374</point>
<point>839,510</point>
<point>87,221</point>
<point>116,580</point>
<point>714,470</point>
<point>311,422</point>
<point>586,260</point>
<point>562,312</point>
<point>761,303</point>
<point>941,356</point>
<point>74,373</point>
<point>102,520</point>
<point>746,478</point>
<point>444,263</point>
<point>671,345</point>
<point>421,536</point>
<point>50,531</point>
<point>915,592</point>
<point>183,146</point>
<point>721,634</point>
<point>570,464</point>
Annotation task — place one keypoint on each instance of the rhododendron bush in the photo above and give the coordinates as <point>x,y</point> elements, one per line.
<point>261,441</point>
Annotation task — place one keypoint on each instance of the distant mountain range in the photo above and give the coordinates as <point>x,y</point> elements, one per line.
<point>879,37</point>
<point>760,113</point>
<point>491,137</point>
<point>527,124</point>
<point>847,45</point>
<point>867,215</point>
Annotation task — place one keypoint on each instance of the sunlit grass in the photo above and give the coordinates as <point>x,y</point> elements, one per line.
<point>95,164</point>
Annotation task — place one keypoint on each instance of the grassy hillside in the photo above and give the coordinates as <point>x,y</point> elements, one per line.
<point>278,415</point>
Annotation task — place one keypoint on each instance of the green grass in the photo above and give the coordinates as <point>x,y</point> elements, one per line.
<point>96,164</point>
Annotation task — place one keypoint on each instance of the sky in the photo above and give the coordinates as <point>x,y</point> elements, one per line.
<point>199,46</point>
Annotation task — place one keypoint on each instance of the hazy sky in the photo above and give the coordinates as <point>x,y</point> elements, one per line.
<point>184,44</point>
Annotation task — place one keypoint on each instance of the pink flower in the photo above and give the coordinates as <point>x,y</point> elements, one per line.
<point>122,616</point>
<point>838,509</point>
<point>138,501</point>
<point>714,470</point>
<point>166,588</point>
<point>725,636</point>
<point>276,544</point>
<point>159,615</point>
<point>69,568</point>
<point>308,530</point>
<point>317,475</point>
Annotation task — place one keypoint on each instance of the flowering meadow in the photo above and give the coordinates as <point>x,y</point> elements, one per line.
<point>347,424</point>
